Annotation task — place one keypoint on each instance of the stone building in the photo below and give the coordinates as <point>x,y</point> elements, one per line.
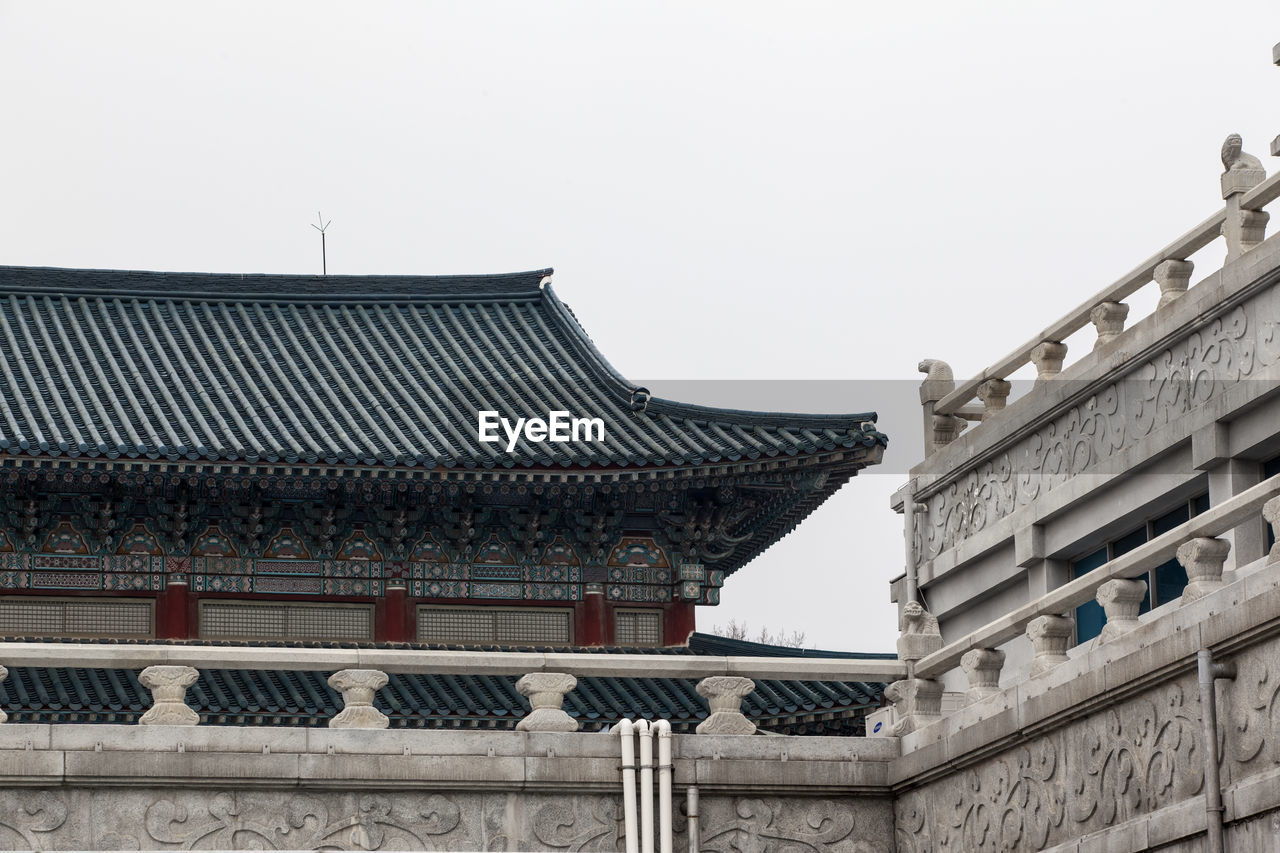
<point>1091,604</point>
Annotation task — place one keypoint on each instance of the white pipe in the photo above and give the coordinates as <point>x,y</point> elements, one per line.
<point>626,732</point>
<point>691,806</point>
<point>909,509</point>
<point>665,832</point>
<point>646,786</point>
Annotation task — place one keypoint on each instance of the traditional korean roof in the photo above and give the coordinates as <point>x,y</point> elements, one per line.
<point>343,370</point>
<point>292,698</point>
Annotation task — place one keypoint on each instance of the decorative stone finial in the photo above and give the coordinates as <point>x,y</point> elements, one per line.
<point>920,635</point>
<point>917,703</point>
<point>1049,636</point>
<point>993,393</point>
<point>1048,356</point>
<point>1243,229</point>
<point>168,686</point>
<point>1173,277</point>
<point>357,687</point>
<point>724,695</point>
<point>1243,170</point>
<point>546,691</point>
<point>983,668</point>
<point>1120,599</point>
<point>1108,318</point>
<point>1202,558</point>
<point>938,382</point>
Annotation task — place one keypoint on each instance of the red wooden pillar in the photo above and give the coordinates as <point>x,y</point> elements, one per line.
<point>678,622</point>
<point>391,614</point>
<point>173,610</point>
<point>593,632</point>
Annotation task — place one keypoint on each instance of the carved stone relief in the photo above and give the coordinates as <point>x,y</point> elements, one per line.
<point>1250,713</point>
<point>1087,437</point>
<point>202,819</point>
<point>1117,764</point>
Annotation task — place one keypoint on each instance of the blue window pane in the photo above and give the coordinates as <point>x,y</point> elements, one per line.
<point>1089,617</point>
<point>1167,522</point>
<point>1125,544</point>
<point>1200,504</point>
<point>1171,580</point>
<point>1089,621</point>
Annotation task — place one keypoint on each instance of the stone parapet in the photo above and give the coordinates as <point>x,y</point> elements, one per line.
<point>1105,413</point>
<point>1039,763</point>
<point>103,787</point>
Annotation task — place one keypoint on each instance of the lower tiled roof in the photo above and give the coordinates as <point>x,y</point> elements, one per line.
<point>236,697</point>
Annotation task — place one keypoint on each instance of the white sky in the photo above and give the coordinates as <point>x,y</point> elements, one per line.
<point>728,191</point>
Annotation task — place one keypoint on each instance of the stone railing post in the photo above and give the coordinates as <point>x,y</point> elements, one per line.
<point>724,694</point>
<point>1048,356</point>
<point>916,701</point>
<point>1120,599</point>
<point>1242,229</point>
<point>1271,512</point>
<point>1202,558</point>
<point>938,383</point>
<point>1108,318</point>
<point>983,668</point>
<point>1049,636</point>
<point>1173,277</point>
<point>168,686</point>
<point>993,393</point>
<point>357,687</point>
<point>546,692</point>
<point>4,673</point>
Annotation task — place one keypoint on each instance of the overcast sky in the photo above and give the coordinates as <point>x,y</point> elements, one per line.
<point>737,193</point>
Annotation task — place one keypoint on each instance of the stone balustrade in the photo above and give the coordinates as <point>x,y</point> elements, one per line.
<point>1117,586</point>
<point>170,670</point>
<point>1241,223</point>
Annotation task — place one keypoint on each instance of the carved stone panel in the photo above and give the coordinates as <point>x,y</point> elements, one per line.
<point>1112,766</point>
<point>122,818</point>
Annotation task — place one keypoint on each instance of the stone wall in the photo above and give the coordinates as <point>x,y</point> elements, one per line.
<point>1105,752</point>
<point>163,787</point>
<point>213,819</point>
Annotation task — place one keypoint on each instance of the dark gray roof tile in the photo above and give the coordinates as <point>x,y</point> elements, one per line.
<point>372,370</point>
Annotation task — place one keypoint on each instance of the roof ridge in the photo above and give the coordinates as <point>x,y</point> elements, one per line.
<point>26,280</point>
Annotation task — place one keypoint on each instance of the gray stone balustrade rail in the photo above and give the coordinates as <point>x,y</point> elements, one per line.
<point>1213,522</point>
<point>1188,244</point>
<point>442,662</point>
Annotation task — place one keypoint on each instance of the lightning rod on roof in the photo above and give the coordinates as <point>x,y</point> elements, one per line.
<point>324,261</point>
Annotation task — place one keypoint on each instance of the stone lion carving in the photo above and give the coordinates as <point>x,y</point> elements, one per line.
<point>1234,158</point>
<point>917,620</point>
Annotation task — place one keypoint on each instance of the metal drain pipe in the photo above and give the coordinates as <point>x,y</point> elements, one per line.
<point>1209,671</point>
<point>626,732</point>
<point>691,807</point>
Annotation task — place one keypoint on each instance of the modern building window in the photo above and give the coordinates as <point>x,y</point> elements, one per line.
<point>637,627</point>
<point>503,626</point>
<point>253,620</point>
<point>1269,469</point>
<point>1165,581</point>
<point>26,616</point>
